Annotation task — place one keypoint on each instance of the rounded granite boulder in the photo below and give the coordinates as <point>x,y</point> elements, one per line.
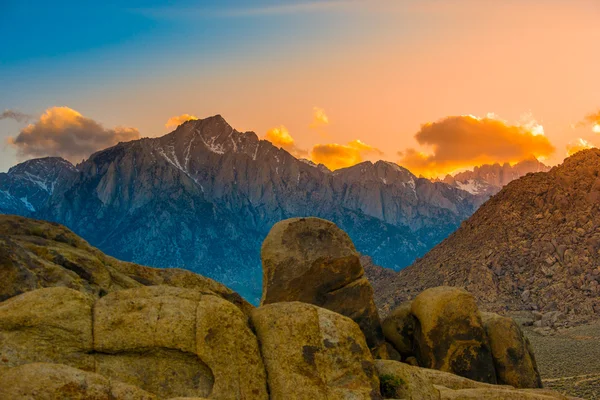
<point>313,261</point>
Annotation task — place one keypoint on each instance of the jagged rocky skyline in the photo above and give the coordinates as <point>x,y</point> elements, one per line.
<point>204,196</point>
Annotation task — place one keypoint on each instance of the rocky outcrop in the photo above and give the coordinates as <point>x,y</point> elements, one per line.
<point>166,341</point>
<point>313,353</point>
<point>444,330</point>
<point>535,246</point>
<point>313,261</point>
<point>36,254</point>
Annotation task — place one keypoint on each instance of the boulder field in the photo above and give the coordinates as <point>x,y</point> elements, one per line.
<point>70,334</point>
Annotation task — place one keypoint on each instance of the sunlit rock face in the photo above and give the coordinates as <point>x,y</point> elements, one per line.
<point>205,196</point>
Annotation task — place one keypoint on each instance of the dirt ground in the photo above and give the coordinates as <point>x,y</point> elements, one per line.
<point>569,359</point>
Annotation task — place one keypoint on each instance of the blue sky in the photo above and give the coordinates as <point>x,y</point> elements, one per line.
<point>379,68</point>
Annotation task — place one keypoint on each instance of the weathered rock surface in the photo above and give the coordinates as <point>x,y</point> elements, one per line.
<point>36,254</point>
<point>107,331</point>
<point>313,261</point>
<point>313,353</point>
<point>450,336</point>
<point>42,381</point>
<point>169,341</point>
<point>534,246</point>
<point>198,344</point>
<point>513,357</point>
<point>399,329</point>
<point>52,325</point>
<point>399,380</point>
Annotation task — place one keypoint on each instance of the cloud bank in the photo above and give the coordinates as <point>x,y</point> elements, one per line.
<point>280,137</point>
<point>465,141</point>
<point>177,120</point>
<point>63,132</point>
<point>336,156</point>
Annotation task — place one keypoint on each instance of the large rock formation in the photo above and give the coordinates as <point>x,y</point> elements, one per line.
<point>169,341</point>
<point>533,246</point>
<point>97,333</point>
<point>313,261</point>
<point>444,330</point>
<point>313,353</point>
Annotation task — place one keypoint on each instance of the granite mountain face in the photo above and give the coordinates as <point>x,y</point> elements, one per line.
<point>204,197</point>
<point>533,246</point>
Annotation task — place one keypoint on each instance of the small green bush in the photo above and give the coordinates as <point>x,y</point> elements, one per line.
<point>389,385</point>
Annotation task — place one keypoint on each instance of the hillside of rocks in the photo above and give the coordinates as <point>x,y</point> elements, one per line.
<point>533,246</point>
<point>77,324</point>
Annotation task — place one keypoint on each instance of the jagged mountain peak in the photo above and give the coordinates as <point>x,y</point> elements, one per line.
<point>44,164</point>
<point>27,186</point>
<point>382,171</point>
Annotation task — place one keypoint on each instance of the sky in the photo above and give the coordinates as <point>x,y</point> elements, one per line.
<point>437,86</point>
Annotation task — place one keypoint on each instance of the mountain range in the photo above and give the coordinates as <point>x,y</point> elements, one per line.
<point>533,246</point>
<point>204,196</point>
<point>488,179</point>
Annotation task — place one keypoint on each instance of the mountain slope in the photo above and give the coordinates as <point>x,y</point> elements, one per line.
<point>27,187</point>
<point>204,197</point>
<point>533,246</point>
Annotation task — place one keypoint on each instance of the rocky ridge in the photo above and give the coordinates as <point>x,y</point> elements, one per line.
<point>534,246</point>
<point>192,338</point>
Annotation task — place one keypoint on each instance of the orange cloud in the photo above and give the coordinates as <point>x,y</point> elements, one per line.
<point>336,156</point>
<point>177,120</point>
<point>578,145</point>
<point>592,119</point>
<point>319,118</point>
<point>62,131</point>
<point>465,141</point>
<point>280,137</point>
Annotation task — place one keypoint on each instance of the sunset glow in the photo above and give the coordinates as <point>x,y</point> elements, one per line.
<point>395,74</point>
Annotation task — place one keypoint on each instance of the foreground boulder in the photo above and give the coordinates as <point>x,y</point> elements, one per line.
<point>166,340</point>
<point>450,336</point>
<point>399,380</point>
<point>313,353</point>
<point>41,381</point>
<point>443,329</point>
<point>313,261</point>
<point>52,325</point>
<point>513,357</point>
